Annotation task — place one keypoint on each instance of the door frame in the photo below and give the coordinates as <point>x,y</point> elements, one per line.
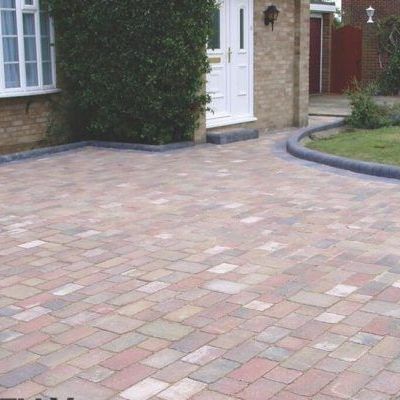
<point>232,119</point>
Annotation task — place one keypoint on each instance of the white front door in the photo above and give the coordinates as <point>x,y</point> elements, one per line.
<point>230,82</point>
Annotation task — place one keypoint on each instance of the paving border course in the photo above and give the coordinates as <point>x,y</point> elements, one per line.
<point>296,148</point>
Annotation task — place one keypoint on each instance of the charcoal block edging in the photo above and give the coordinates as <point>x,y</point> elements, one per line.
<point>236,135</point>
<point>296,149</point>
<point>46,151</point>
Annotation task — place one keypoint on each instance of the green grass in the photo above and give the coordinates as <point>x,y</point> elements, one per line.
<point>378,145</point>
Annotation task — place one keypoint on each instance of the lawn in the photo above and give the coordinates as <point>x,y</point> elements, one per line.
<point>378,145</point>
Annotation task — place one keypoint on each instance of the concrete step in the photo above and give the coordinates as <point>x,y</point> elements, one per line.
<point>231,136</point>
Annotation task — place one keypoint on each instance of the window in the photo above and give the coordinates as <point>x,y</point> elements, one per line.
<point>27,57</point>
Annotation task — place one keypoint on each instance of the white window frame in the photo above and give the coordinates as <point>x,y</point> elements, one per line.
<point>25,90</point>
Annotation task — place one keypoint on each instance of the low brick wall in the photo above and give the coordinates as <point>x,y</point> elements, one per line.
<point>23,122</point>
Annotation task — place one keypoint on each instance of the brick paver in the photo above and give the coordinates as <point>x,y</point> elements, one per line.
<point>212,273</point>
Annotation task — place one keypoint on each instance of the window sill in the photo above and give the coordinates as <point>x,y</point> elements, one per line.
<point>40,92</point>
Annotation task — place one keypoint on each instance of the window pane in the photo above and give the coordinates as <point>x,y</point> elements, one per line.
<point>8,23</point>
<point>215,39</point>
<point>47,73</point>
<point>7,3</point>
<point>30,49</point>
<point>241,29</point>
<point>31,74</point>
<point>44,24</point>
<point>29,24</point>
<point>10,49</point>
<point>46,48</point>
<point>9,40</point>
<point>11,73</point>
<point>29,2</point>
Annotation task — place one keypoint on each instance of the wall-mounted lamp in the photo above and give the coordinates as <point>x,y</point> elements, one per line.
<point>271,15</point>
<point>370,13</point>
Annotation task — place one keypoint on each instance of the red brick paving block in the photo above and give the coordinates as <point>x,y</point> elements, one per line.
<point>263,389</point>
<point>222,325</point>
<point>388,347</point>
<point>36,324</point>
<point>346,385</point>
<point>366,394</point>
<point>252,370</point>
<point>391,294</point>
<point>284,395</point>
<point>79,389</point>
<point>208,395</point>
<point>379,326</point>
<point>91,358</point>
<point>228,386</point>
<point>34,301</point>
<point>26,341</point>
<point>57,375</point>
<point>258,323</point>
<point>128,377</point>
<point>330,364</point>
<point>25,390</point>
<point>125,358</point>
<point>345,307</point>
<point>386,382</point>
<point>74,335</point>
<point>283,375</point>
<point>282,309</point>
<point>16,360</point>
<point>358,279</point>
<point>311,330</point>
<point>292,343</point>
<point>176,371</point>
<point>311,382</point>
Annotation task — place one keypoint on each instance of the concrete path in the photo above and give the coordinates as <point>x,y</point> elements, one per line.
<point>339,105</point>
<point>211,273</point>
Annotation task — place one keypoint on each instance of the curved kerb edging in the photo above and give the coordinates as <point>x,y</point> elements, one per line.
<point>295,148</point>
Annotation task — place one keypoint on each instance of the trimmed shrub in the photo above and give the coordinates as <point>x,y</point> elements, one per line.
<point>365,112</point>
<point>132,70</point>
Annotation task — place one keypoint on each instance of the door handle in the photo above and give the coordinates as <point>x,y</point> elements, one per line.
<point>229,55</point>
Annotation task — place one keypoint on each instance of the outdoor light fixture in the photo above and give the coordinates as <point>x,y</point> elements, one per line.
<point>370,13</point>
<point>271,15</point>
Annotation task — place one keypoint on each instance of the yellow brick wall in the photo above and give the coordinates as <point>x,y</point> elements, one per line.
<point>23,123</point>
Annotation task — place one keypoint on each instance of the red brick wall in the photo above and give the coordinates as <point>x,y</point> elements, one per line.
<point>23,123</point>
<point>355,15</point>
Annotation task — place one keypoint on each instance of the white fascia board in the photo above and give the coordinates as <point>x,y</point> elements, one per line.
<point>323,8</point>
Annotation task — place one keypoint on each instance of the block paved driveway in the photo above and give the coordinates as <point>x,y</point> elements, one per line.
<point>211,273</point>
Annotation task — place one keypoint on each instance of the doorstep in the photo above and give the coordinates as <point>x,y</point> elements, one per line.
<point>232,135</point>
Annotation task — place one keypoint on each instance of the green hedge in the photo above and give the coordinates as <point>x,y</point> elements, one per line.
<point>132,70</point>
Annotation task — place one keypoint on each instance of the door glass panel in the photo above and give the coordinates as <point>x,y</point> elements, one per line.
<point>241,29</point>
<point>215,38</point>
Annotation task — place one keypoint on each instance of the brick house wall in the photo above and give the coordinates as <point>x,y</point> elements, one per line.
<point>23,122</point>
<point>354,14</point>
<point>281,59</point>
